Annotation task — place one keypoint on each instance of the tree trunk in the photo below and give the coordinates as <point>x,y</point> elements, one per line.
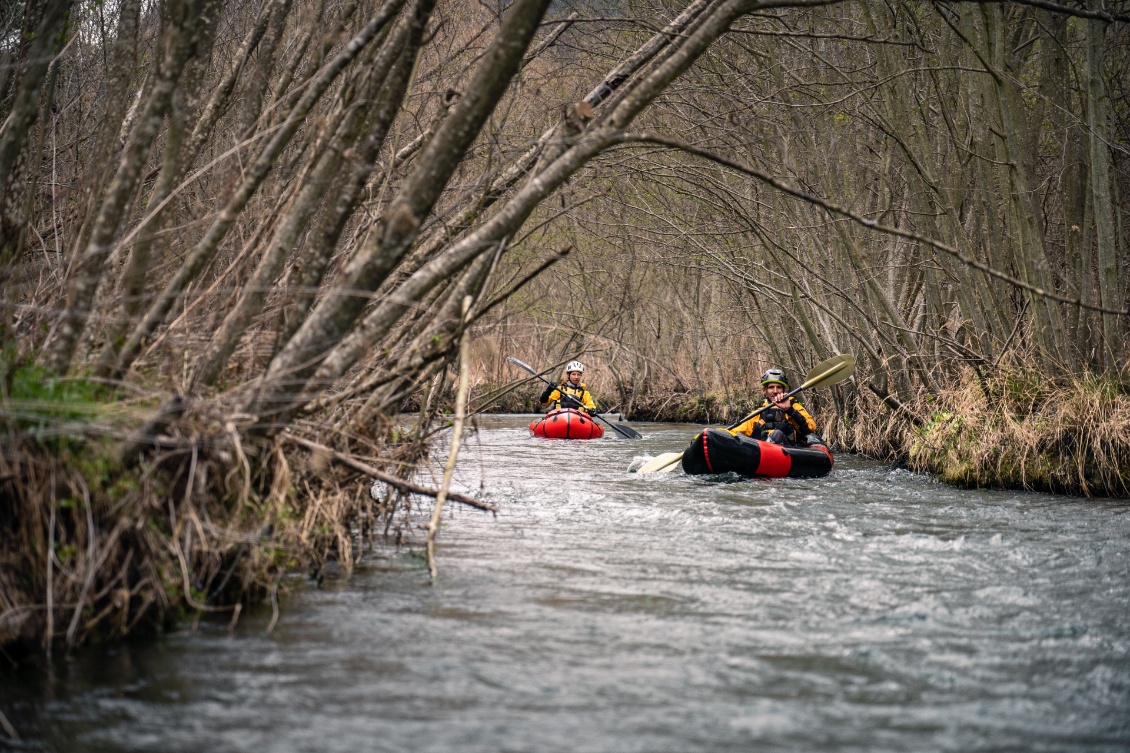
<point>1111,292</point>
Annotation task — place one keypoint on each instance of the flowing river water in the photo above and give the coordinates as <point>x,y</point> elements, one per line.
<point>872,610</point>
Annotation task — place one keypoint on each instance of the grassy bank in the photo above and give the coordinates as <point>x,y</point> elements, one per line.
<point>1019,429</point>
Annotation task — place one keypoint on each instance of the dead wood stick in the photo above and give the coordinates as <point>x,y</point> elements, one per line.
<point>401,484</point>
<point>456,435</point>
<point>146,436</point>
<point>8,728</point>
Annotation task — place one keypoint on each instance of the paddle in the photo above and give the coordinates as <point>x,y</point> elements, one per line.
<point>824,374</point>
<point>626,432</point>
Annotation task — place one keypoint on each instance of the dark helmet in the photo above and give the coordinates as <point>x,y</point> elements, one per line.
<point>774,376</point>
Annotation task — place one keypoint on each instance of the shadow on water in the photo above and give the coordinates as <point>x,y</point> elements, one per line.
<point>872,610</point>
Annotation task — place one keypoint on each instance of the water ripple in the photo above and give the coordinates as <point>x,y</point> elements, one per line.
<point>873,610</point>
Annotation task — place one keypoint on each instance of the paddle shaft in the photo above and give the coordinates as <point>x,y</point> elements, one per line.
<point>622,431</point>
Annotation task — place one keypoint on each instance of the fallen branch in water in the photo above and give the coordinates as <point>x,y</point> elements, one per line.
<point>401,484</point>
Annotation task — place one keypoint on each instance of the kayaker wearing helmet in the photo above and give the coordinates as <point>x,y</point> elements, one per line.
<point>571,386</point>
<point>787,422</point>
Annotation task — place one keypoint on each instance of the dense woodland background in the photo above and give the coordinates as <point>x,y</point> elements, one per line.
<point>932,186</point>
<point>264,218</point>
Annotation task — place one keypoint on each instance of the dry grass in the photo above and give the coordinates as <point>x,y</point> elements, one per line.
<point>867,426</point>
<point>95,547</point>
<point>641,387</point>
<point>1018,429</point>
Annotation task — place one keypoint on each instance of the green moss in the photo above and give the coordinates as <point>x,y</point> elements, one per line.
<point>38,397</point>
<point>65,552</point>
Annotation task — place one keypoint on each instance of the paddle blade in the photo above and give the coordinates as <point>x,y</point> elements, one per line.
<point>623,430</point>
<point>830,372</point>
<point>628,431</point>
<point>521,364</point>
<point>668,461</point>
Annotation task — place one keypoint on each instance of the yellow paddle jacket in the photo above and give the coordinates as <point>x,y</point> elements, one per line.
<point>800,423</point>
<point>580,392</point>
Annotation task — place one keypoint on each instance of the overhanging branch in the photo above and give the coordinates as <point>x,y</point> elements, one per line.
<point>645,138</point>
<point>393,481</point>
<point>1108,16</point>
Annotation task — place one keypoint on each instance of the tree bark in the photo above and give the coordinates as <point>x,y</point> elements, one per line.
<point>207,247</point>
<point>335,315</point>
<point>44,25</point>
<point>400,50</point>
<point>182,23</point>
<point>1111,292</point>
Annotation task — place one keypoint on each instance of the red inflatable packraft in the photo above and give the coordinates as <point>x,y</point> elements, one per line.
<point>566,423</point>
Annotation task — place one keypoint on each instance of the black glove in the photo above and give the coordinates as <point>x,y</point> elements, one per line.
<point>593,411</point>
<point>548,391</point>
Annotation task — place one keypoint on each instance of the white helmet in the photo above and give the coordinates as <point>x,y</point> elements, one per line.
<point>574,366</point>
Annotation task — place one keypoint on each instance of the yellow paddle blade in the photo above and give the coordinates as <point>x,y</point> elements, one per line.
<point>830,372</point>
<point>668,461</point>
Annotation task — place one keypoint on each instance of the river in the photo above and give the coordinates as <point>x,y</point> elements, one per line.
<point>873,610</point>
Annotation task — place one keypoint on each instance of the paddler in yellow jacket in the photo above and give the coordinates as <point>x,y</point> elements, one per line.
<point>787,422</point>
<point>571,386</point>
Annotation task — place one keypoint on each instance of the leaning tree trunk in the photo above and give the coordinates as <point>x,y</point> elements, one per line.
<point>184,23</point>
<point>335,315</point>
<point>47,21</point>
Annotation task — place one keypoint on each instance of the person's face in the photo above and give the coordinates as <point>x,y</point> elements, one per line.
<point>575,377</point>
<point>774,392</point>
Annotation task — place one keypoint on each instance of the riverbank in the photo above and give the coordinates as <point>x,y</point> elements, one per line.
<point>1015,430</point>
<point>125,513</point>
